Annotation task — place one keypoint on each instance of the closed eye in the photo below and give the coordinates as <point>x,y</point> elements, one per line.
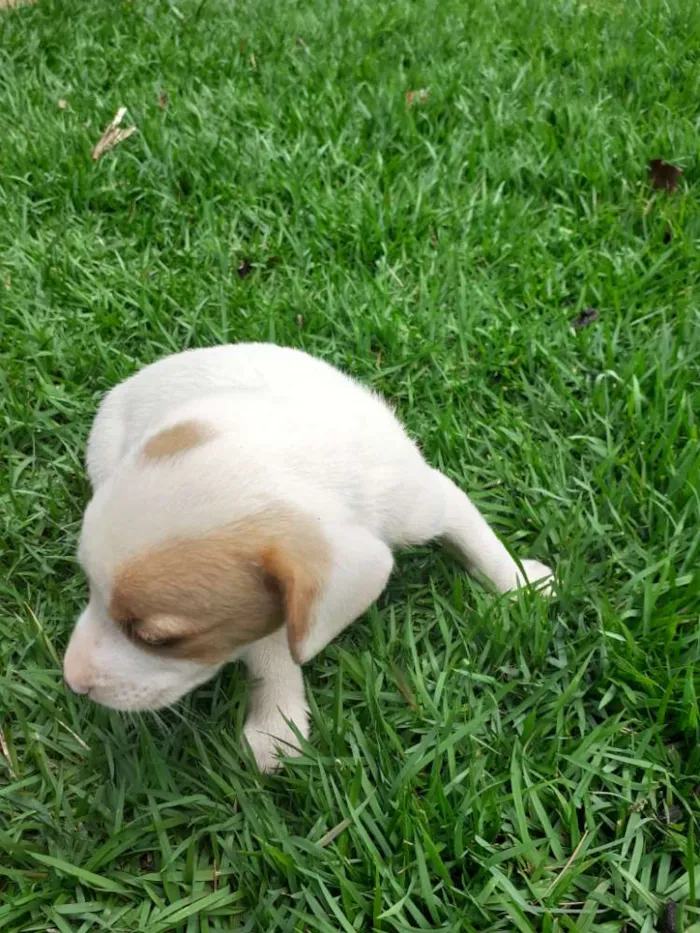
<point>136,630</point>
<point>153,641</point>
<point>133,628</point>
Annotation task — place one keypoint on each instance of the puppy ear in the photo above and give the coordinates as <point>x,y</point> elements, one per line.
<point>300,578</point>
<point>355,569</point>
<point>326,580</point>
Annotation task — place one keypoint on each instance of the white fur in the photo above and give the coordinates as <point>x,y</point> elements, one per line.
<point>288,428</point>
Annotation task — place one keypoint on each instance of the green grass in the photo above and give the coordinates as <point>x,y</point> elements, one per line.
<point>476,765</point>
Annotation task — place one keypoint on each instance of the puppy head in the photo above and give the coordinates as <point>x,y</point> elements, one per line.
<point>185,570</point>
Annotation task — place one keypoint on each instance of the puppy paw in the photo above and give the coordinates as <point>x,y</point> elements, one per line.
<point>538,576</point>
<point>271,737</point>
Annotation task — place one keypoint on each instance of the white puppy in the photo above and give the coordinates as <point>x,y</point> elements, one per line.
<point>246,503</point>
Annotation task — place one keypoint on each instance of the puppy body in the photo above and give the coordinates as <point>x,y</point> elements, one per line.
<point>246,503</point>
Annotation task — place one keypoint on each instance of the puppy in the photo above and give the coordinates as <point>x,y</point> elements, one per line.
<point>246,503</point>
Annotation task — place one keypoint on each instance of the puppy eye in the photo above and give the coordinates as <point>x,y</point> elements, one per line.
<point>152,641</point>
<point>136,632</point>
<point>159,642</point>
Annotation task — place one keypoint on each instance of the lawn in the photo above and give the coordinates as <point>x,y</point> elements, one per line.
<point>429,195</point>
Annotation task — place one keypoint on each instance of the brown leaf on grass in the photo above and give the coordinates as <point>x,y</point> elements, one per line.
<point>11,4</point>
<point>586,317</point>
<point>333,834</point>
<point>404,687</point>
<point>6,754</point>
<point>417,97</point>
<point>163,100</point>
<point>670,814</point>
<point>112,136</point>
<point>669,918</point>
<point>664,176</point>
<point>245,267</point>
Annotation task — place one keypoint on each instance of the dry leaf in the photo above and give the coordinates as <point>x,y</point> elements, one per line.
<point>6,754</point>
<point>417,97</point>
<point>300,321</point>
<point>404,687</point>
<point>62,104</point>
<point>670,814</point>
<point>333,834</point>
<point>669,918</point>
<point>11,4</point>
<point>245,268</point>
<point>664,176</point>
<point>163,100</point>
<point>253,62</point>
<point>586,317</point>
<point>112,136</point>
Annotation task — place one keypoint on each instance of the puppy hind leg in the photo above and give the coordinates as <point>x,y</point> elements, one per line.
<point>462,526</point>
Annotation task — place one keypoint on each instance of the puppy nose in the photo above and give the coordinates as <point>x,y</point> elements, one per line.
<point>78,672</point>
<point>77,686</point>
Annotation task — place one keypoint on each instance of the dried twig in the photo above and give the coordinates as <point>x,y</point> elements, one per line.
<point>112,136</point>
<point>572,859</point>
<point>6,754</point>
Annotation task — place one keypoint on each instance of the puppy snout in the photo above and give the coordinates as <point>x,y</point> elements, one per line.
<point>77,666</point>
<point>77,685</point>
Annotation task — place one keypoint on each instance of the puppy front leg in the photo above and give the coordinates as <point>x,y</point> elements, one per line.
<point>360,565</point>
<point>277,698</point>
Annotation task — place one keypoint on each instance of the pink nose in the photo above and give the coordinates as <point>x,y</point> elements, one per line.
<point>77,686</point>
<point>77,667</point>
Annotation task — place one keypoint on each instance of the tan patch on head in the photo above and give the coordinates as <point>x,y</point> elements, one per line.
<point>177,440</point>
<point>204,598</point>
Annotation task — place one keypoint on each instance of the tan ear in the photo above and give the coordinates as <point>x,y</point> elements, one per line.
<point>299,568</point>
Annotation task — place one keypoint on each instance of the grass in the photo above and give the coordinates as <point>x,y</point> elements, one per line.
<point>476,765</point>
